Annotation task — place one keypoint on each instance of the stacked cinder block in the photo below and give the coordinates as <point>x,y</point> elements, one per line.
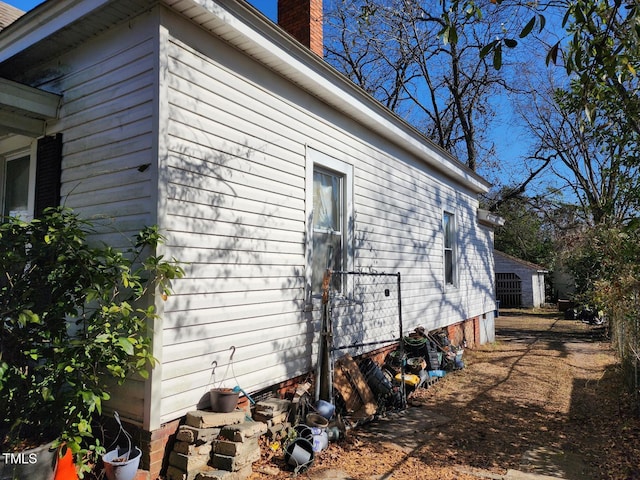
<point>274,412</point>
<point>215,446</point>
<point>235,450</point>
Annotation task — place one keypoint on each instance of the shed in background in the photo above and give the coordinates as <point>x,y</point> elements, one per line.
<point>518,283</point>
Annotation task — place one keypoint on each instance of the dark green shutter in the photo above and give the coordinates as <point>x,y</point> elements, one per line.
<point>48,169</point>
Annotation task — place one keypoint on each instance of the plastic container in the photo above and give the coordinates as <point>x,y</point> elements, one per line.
<point>325,409</point>
<point>299,454</point>
<point>320,439</point>
<point>122,470</point>
<point>409,379</point>
<point>416,364</point>
<point>223,400</point>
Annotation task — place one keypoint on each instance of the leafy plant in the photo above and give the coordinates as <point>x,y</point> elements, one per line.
<point>74,319</point>
<point>604,263</point>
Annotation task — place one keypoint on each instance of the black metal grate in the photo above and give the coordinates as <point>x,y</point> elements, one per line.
<point>509,289</point>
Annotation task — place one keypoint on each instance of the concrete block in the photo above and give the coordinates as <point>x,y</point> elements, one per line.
<point>204,419</point>
<point>271,420</point>
<point>227,447</point>
<point>273,406</point>
<point>188,463</point>
<point>241,474</point>
<point>242,431</point>
<point>174,473</point>
<point>189,434</point>
<point>234,464</point>
<point>192,449</point>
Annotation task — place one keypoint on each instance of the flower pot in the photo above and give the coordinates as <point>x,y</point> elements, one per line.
<point>120,466</point>
<point>223,400</point>
<point>315,420</point>
<point>33,464</point>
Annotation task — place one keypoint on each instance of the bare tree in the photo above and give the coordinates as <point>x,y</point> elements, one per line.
<point>423,60</point>
<point>595,160</point>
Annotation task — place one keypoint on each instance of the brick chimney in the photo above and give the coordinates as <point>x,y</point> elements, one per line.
<point>303,20</point>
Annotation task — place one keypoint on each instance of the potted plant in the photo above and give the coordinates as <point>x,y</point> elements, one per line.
<point>73,322</point>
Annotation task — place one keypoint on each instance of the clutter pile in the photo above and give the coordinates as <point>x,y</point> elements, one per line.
<point>226,443</point>
<point>585,314</point>
<point>422,359</point>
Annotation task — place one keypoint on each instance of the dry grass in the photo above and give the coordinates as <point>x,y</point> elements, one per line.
<point>546,382</point>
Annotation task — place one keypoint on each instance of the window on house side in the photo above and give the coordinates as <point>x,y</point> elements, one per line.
<point>16,197</point>
<point>448,223</point>
<point>328,226</point>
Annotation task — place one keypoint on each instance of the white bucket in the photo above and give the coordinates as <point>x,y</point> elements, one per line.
<point>122,470</point>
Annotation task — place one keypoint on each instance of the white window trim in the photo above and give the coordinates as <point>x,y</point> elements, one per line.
<point>316,158</point>
<point>25,148</point>
<point>454,252</point>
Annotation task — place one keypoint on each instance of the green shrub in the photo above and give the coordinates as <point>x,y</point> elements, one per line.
<point>606,266</point>
<point>74,322</point>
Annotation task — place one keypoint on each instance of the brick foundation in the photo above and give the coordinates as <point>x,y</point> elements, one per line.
<point>156,446</point>
<point>467,331</point>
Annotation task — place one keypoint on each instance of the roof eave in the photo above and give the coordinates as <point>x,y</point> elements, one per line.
<point>24,110</point>
<point>41,22</point>
<point>245,28</point>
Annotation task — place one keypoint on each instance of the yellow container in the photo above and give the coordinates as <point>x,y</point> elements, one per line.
<point>409,379</point>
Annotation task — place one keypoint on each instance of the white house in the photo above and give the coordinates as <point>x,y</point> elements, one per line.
<point>519,283</point>
<point>260,163</point>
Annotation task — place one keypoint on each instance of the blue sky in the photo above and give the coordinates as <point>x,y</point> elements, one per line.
<point>25,5</point>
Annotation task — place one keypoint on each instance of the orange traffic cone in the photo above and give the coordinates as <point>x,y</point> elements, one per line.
<point>65,468</point>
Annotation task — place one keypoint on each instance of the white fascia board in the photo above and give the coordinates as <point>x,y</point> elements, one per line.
<point>243,28</point>
<point>42,22</point>
<point>37,103</point>
<point>19,125</point>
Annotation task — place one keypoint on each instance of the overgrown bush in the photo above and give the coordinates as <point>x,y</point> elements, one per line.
<point>606,266</point>
<point>74,321</point>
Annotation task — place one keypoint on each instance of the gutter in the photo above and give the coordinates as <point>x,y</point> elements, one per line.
<point>485,217</point>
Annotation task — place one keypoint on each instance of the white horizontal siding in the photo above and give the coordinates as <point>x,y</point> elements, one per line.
<point>108,87</point>
<point>107,120</point>
<point>236,215</point>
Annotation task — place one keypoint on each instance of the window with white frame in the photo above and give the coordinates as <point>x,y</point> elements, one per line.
<point>330,225</point>
<point>17,188</point>
<point>449,230</point>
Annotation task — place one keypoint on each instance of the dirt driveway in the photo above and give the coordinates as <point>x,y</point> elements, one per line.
<point>545,398</point>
